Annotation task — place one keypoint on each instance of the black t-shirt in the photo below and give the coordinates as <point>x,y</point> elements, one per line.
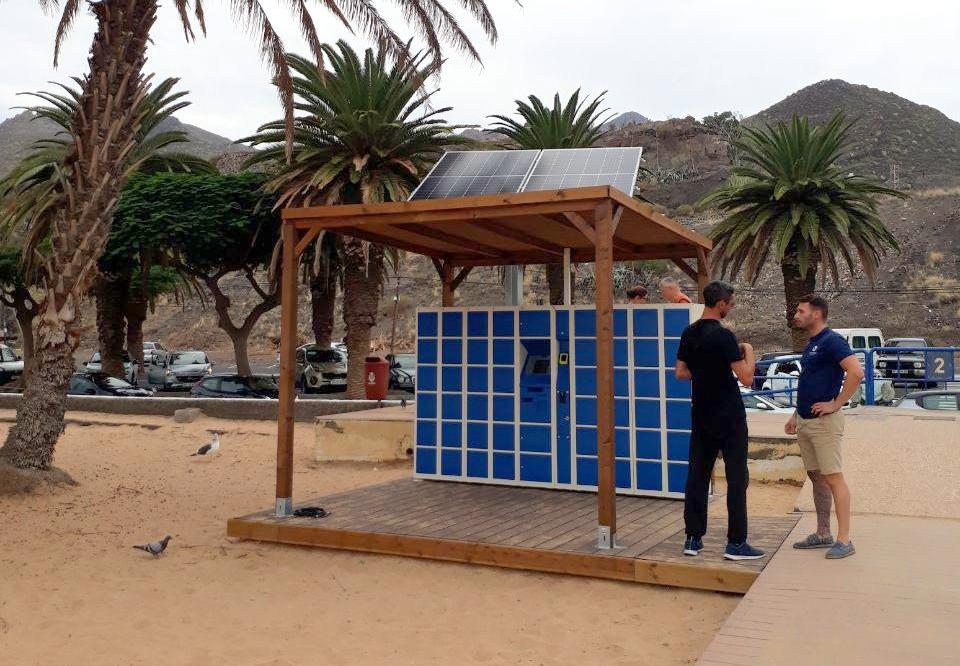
<point>708,348</point>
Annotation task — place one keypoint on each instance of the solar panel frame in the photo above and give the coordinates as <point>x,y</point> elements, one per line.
<point>460,173</point>
<point>561,168</point>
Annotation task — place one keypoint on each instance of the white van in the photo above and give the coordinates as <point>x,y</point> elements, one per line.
<point>862,338</point>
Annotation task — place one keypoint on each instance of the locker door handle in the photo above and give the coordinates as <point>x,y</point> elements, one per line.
<point>562,397</point>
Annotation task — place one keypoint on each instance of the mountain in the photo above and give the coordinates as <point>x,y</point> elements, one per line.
<point>628,118</point>
<point>18,133</point>
<point>891,133</point>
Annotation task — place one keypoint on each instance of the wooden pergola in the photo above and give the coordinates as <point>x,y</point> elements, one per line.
<point>599,224</point>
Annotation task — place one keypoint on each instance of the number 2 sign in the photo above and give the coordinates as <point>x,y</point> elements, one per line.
<point>939,366</point>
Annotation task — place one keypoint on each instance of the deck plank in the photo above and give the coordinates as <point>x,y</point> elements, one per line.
<point>520,528</point>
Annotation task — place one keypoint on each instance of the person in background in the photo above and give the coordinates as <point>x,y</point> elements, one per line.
<point>671,292</point>
<point>830,373</point>
<point>710,356</point>
<point>637,295</point>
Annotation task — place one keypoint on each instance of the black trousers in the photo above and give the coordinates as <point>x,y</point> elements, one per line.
<point>705,445</point>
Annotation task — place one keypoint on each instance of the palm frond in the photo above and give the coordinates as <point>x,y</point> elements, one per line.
<point>789,200</point>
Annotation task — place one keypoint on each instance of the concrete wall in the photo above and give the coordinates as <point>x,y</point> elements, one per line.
<point>241,408</point>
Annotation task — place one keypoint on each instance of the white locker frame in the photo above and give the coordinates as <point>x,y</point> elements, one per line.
<point>519,358</point>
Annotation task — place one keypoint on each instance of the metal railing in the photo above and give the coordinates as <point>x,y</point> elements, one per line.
<point>885,368</point>
<point>908,367</point>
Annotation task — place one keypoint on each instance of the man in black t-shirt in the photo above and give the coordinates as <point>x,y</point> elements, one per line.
<point>711,357</point>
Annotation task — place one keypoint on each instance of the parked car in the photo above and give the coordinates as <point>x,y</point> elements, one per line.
<point>319,368</point>
<point>763,363</point>
<point>11,365</point>
<point>236,386</point>
<point>944,400</point>
<point>100,383</point>
<point>904,365</point>
<point>784,373</point>
<point>862,338</point>
<point>403,370</point>
<point>762,403</point>
<point>180,369</point>
<point>152,351</point>
<point>95,364</point>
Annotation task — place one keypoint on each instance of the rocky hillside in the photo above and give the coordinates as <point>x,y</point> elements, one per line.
<point>891,133</point>
<point>917,293</point>
<point>18,133</point>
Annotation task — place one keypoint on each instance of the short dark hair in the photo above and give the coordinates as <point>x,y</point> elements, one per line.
<point>717,291</point>
<point>637,292</point>
<point>817,303</point>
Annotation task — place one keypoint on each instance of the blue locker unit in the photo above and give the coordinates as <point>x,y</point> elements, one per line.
<point>507,395</point>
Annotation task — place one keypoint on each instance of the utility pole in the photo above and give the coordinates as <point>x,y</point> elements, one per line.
<point>396,302</point>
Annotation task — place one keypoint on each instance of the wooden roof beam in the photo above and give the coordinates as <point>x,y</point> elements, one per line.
<point>395,242</point>
<point>448,237</point>
<point>303,219</point>
<point>519,236</point>
<point>581,224</point>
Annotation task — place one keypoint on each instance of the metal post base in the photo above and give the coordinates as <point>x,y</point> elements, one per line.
<point>284,507</point>
<point>606,540</point>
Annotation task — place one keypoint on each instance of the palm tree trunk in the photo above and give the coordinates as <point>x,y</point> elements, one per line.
<point>136,314</point>
<point>323,298</point>
<point>105,125</point>
<point>111,291</point>
<point>555,282</point>
<point>795,287</point>
<point>26,310</point>
<point>361,298</point>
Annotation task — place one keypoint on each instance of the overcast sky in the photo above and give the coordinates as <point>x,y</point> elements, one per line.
<point>663,59</point>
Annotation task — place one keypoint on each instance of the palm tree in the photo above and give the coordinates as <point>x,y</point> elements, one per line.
<point>791,201</point>
<point>33,187</point>
<point>105,125</point>
<point>363,134</point>
<point>576,124</point>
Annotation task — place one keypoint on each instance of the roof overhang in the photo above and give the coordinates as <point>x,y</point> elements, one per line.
<point>508,229</point>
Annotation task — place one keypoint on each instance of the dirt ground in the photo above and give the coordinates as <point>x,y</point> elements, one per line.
<point>73,591</point>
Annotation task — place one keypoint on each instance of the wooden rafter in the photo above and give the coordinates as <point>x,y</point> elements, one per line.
<point>582,225</point>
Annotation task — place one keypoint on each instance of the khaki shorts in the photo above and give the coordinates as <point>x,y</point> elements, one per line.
<point>819,440</point>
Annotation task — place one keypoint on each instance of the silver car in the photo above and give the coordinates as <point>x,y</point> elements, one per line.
<point>95,364</point>
<point>319,368</point>
<point>179,370</point>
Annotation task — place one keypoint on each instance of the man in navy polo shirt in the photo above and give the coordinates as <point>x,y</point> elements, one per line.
<point>829,376</point>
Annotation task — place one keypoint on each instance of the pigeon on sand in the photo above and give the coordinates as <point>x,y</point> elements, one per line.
<point>155,547</point>
<point>210,447</point>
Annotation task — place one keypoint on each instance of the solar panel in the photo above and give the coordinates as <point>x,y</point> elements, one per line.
<point>467,173</point>
<point>582,167</point>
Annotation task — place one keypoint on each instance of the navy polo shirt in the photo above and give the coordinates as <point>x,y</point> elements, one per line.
<point>821,376</point>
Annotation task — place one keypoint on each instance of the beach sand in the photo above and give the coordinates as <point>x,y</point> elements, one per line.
<point>73,591</point>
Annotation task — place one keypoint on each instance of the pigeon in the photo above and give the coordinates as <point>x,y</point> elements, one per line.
<point>156,547</point>
<point>210,447</point>
<point>403,403</point>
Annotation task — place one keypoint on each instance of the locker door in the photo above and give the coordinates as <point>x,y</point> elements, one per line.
<point>562,402</point>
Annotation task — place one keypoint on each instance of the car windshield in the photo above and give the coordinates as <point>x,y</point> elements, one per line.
<point>187,358</point>
<point>96,357</point>
<point>263,383</point>
<point>406,361</point>
<point>323,356</point>
<point>911,342</point>
<point>108,382</point>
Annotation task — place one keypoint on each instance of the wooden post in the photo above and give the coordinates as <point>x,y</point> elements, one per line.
<point>447,297</point>
<point>288,346</point>
<point>606,477</point>
<point>703,271</point>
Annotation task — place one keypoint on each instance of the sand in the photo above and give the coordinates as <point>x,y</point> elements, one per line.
<point>73,591</point>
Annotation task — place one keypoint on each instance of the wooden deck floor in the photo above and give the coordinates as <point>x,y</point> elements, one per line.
<point>519,528</point>
<point>893,602</point>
